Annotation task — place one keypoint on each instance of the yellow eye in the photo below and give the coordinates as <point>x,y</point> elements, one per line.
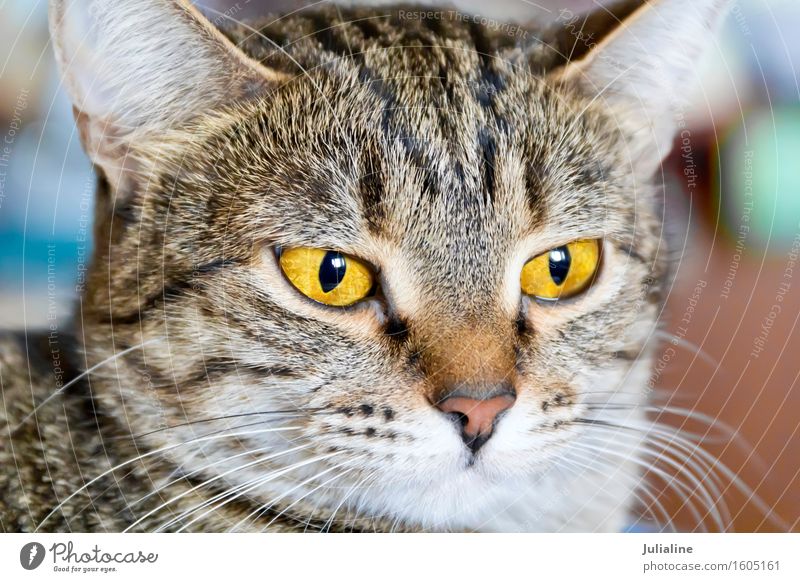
<point>325,276</point>
<point>562,272</point>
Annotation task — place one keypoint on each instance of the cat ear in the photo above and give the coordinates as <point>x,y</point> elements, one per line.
<point>644,67</point>
<point>135,69</point>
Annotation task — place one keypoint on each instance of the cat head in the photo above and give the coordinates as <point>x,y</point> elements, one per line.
<point>390,263</point>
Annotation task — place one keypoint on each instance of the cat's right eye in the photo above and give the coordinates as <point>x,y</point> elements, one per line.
<point>327,276</point>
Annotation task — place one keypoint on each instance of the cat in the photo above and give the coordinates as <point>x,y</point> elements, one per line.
<point>359,269</point>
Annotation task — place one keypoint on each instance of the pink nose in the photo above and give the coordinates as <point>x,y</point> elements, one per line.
<point>476,416</point>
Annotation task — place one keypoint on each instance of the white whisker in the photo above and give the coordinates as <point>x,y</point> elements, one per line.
<point>151,454</point>
<point>222,475</point>
<point>80,376</point>
<point>240,490</point>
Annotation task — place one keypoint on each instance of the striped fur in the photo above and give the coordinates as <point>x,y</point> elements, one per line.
<point>445,153</point>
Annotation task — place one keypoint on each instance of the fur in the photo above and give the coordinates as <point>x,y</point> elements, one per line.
<point>444,153</point>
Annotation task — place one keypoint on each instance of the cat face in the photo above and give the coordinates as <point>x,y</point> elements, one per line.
<point>437,390</point>
<point>446,252</point>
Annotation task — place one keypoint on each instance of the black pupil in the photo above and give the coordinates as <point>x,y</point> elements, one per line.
<point>559,264</point>
<point>331,271</point>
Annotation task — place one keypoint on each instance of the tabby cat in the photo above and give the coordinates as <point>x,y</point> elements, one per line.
<point>359,269</point>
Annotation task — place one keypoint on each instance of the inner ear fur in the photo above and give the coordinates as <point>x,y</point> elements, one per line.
<point>139,69</point>
<point>642,68</point>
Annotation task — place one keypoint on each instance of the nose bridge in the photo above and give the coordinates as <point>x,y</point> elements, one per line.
<point>468,358</point>
<point>464,330</point>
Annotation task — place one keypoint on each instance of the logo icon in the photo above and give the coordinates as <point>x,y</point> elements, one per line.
<point>31,555</point>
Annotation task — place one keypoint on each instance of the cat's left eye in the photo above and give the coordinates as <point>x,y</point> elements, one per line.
<point>562,272</point>
<point>327,276</point>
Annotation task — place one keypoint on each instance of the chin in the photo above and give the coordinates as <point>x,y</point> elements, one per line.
<point>470,493</point>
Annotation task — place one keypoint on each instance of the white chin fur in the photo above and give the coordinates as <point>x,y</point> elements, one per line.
<point>516,485</point>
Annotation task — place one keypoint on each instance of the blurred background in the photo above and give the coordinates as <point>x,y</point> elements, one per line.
<point>732,345</point>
